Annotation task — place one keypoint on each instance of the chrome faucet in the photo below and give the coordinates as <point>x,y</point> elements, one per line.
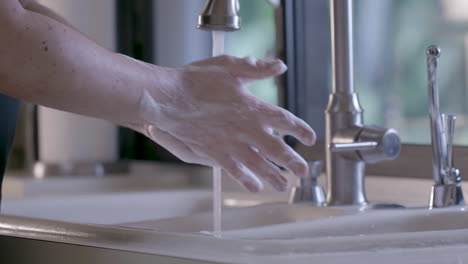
<point>350,144</point>
<point>447,190</point>
<point>222,15</point>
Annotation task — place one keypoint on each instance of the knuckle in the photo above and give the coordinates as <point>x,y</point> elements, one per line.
<point>225,57</point>
<point>233,166</point>
<point>287,116</point>
<point>251,60</point>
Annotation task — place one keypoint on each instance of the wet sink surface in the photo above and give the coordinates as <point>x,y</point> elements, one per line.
<point>370,223</point>
<point>117,208</point>
<point>111,208</point>
<point>245,215</point>
<point>242,218</point>
<point>258,228</point>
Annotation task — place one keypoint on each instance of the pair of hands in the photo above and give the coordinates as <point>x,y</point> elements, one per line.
<point>206,115</point>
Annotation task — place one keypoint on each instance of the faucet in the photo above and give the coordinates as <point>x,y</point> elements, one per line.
<point>349,144</point>
<point>220,15</point>
<point>447,190</point>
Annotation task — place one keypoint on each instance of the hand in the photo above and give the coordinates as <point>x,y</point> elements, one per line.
<point>207,116</point>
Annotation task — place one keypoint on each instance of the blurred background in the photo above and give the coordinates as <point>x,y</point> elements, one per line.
<point>390,41</point>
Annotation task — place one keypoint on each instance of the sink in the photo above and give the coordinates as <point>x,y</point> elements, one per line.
<point>241,218</point>
<point>111,208</point>
<point>301,221</point>
<point>117,208</point>
<point>367,223</point>
<point>257,228</point>
<point>347,238</point>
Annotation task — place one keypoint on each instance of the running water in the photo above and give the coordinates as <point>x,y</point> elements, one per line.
<point>218,49</point>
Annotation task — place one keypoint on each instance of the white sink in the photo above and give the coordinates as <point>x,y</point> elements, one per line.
<point>372,223</point>
<point>117,208</point>
<point>241,218</point>
<point>257,228</point>
<point>111,208</point>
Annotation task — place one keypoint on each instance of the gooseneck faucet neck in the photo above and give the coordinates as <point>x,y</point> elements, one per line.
<point>342,46</point>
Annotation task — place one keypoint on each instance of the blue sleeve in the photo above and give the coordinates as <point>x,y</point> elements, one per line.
<point>9,109</point>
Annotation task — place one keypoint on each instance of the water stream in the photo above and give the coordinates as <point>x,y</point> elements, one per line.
<point>218,49</point>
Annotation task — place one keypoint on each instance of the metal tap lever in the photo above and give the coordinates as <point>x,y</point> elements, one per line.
<point>447,190</point>
<point>344,147</point>
<point>374,144</point>
<point>309,191</point>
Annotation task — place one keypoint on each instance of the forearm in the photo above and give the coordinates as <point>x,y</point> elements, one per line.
<point>49,63</point>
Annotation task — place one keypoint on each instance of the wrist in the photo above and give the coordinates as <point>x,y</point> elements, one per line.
<point>154,90</point>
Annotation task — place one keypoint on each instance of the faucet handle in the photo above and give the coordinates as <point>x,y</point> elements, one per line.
<point>388,144</point>
<point>355,146</point>
<point>374,144</point>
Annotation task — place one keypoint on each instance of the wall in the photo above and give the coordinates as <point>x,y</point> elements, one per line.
<point>66,137</point>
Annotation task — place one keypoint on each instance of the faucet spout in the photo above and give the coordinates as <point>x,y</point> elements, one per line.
<point>341,12</point>
<point>220,15</point>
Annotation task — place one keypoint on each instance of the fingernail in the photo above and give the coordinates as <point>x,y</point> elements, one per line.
<point>283,187</point>
<point>252,187</point>
<point>311,140</point>
<point>300,169</point>
<point>279,183</point>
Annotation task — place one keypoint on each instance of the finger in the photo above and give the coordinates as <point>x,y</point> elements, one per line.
<point>251,68</point>
<point>263,168</point>
<point>276,150</point>
<point>286,123</point>
<point>175,146</point>
<point>248,68</point>
<point>240,173</point>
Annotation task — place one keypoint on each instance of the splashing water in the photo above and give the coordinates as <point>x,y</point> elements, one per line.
<point>218,49</point>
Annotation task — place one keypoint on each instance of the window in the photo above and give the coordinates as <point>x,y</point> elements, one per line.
<point>257,38</point>
<point>391,37</point>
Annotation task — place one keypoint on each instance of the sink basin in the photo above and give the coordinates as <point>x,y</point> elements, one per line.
<point>370,223</point>
<point>245,215</point>
<point>241,218</point>
<point>117,208</point>
<point>257,228</point>
<point>111,208</point>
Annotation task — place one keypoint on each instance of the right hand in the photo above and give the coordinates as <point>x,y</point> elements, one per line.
<point>206,115</point>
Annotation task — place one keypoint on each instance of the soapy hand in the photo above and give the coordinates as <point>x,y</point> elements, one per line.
<point>207,116</point>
